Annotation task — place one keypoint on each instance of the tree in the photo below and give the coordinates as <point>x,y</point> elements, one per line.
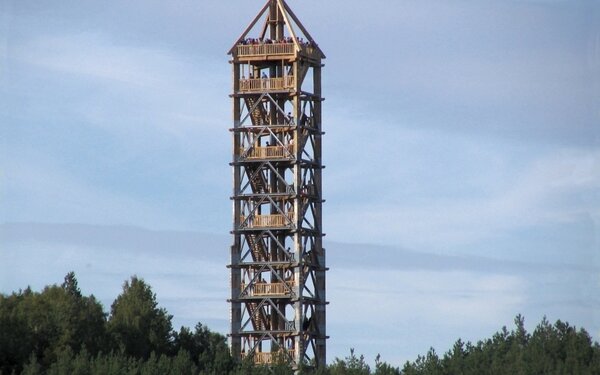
<point>208,349</point>
<point>32,367</point>
<point>137,325</point>
<point>47,323</point>
<point>83,318</point>
<point>351,365</point>
<point>383,368</point>
<point>551,350</point>
<point>16,342</point>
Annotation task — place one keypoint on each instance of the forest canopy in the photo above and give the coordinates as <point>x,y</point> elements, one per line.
<point>60,331</point>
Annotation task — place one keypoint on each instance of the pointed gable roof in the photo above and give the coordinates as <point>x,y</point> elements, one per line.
<point>290,21</point>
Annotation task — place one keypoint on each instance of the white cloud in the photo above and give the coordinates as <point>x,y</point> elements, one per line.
<point>550,189</point>
<point>471,68</point>
<point>453,296</point>
<point>554,188</point>
<point>123,110</point>
<point>190,289</point>
<point>131,90</point>
<point>94,56</point>
<point>37,189</point>
<point>403,313</point>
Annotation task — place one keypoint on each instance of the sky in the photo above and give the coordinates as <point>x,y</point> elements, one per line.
<point>462,152</point>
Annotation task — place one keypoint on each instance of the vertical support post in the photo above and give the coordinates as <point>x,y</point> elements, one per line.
<point>235,279</point>
<point>320,251</point>
<point>297,173</point>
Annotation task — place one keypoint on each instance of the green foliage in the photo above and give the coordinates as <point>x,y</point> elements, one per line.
<point>383,368</point>
<point>59,331</point>
<point>558,349</point>
<point>136,322</point>
<point>208,349</point>
<point>46,323</point>
<point>351,365</point>
<point>32,367</point>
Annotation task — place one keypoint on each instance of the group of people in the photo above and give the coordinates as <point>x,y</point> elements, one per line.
<point>286,40</point>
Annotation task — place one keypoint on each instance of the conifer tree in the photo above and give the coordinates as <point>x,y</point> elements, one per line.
<point>136,324</point>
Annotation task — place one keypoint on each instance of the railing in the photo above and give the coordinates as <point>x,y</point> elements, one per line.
<point>269,152</point>
<point>264,358</point>
<point>274,49</point>
<point>265,49</point>
<point>265,221</point>
<point>268,190</point>
<point>269,289</point>
<point>261,84</point>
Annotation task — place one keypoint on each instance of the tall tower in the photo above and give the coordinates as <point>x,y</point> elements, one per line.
<point>277,258</point>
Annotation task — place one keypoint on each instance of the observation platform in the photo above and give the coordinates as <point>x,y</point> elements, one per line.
<point>266,221</point>
<point>265,50</point>
<point>260,85</point>
<point>266,152</point>
<point>267,358</point>
<point>268,289</point>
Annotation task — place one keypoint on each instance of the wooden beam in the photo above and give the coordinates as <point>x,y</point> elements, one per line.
<point>304,31</point>
<point>289,25</point>
<point>250,26</point>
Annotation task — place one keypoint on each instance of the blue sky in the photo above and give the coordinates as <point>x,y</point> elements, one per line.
<point>462,153</point>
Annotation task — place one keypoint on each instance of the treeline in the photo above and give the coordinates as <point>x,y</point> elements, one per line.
<point>558,349</point>
<point>58,331</point>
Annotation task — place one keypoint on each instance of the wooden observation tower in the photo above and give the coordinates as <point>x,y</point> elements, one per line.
<point>277,258</point>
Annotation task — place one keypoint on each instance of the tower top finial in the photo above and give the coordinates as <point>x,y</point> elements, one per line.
<point>280,22</point>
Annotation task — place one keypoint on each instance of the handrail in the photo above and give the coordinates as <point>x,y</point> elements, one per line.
<point>261,84</point>
<point>265,49</point>
<point>268,152</point>
<point>269,289</point>
<point>274,49</point>
<point>266,221</point>
<point>264,358</point>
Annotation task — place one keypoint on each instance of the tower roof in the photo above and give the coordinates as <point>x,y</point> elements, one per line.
<point>277,12</point>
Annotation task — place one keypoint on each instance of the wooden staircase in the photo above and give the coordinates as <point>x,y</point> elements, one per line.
<point>257,115</point>
<point>258,315</point>
<point>257,247</point>
<point>257,179</point>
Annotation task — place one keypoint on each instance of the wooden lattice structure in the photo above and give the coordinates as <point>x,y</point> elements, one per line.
<point>277,258</point>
